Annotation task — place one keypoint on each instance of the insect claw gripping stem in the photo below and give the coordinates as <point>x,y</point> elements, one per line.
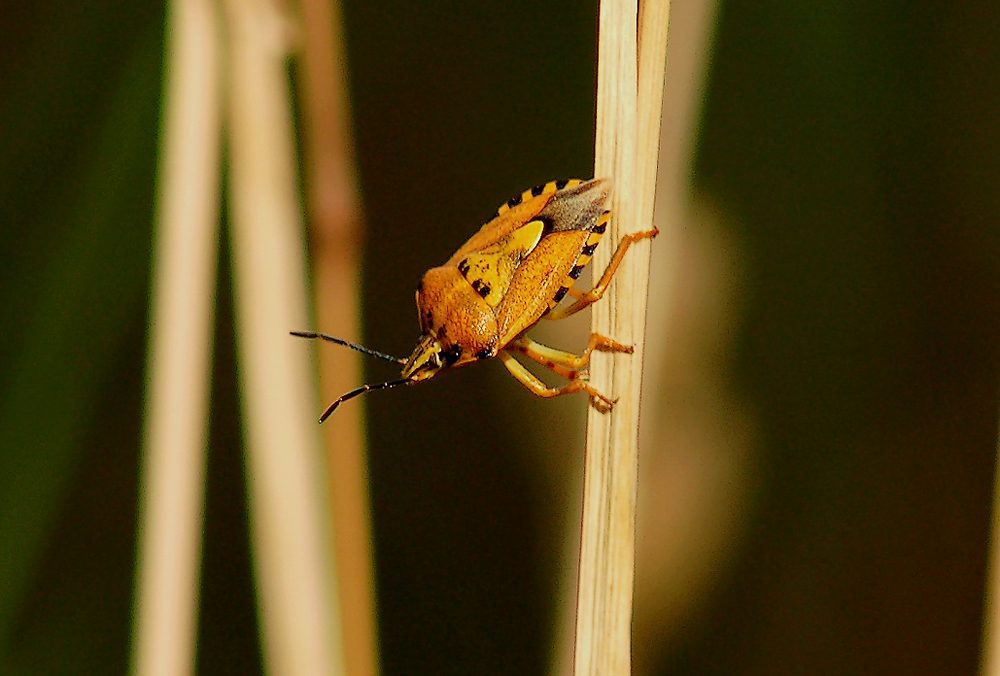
<point>602,404</point>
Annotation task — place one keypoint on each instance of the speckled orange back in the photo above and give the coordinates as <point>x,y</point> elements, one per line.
<point>514,269</point>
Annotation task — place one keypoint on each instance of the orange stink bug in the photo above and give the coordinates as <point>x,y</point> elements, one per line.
<point>509,275</point>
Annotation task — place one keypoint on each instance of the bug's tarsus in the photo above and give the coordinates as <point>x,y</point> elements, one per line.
<point>358,392</point>
<point>602,403</point>
<point>347,343</point>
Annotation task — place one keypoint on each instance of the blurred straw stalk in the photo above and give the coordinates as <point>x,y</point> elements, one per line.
<point>335,227</point>
<point>180,340</point>
<point>695,457</point>
<point>291,534</point>
<point>631,61</point>
<point>290,530</point>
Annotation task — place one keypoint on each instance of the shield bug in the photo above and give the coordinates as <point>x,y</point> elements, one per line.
<point>500,283</point>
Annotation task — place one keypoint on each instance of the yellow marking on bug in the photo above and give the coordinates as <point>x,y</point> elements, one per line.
<point>490,270</point>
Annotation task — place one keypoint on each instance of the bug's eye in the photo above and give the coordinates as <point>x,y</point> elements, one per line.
<point>451,354</point>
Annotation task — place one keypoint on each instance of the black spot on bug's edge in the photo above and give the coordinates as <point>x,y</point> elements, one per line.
<point>576,271</point>
<point>463,267</point>
<point>484,354</point>
<point>514,201</point>
<point>560,293</point>
<point>537,190</point>
<point>561,183</point>
<point>589,249</point>
<point>600,227</point>
<point>481,288</point>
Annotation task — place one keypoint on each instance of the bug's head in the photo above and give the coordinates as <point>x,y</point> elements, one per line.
<point>429,357</point>
<point>457,326</point>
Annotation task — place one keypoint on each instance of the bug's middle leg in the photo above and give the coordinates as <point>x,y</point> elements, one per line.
<point>564,363</point>
<point>540,389</point>
<point>595,294</point>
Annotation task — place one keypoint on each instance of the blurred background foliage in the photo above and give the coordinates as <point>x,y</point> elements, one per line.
<point>853,152</point>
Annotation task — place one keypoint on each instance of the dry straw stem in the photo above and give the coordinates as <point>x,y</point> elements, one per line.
<point>290,535</point>
<point>185,252</point>
<point>334,221</point>
<point>629,92</point>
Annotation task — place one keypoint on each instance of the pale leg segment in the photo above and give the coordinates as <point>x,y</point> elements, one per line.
<point>597,292</point>
<point>538,388</point>
<point>564,363</point>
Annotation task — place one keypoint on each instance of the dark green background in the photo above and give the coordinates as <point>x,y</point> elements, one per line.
<point>856,144</point>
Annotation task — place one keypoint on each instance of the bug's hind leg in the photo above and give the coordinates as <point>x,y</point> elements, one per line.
<point>563,363</point>
<point>597,292</point>
<point>540,389</point>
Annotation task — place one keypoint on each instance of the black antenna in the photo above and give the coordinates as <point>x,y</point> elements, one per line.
<point>346,343</point>
<point>361,390</point>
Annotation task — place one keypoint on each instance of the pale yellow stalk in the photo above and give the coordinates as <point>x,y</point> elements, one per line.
<point>335,226</point>
<point>290,535</point>
<point>180,340</point>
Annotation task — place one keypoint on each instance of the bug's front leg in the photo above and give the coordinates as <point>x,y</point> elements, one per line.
<point>564,363</point>
<point>540,389</point>
<point>597,292</point>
